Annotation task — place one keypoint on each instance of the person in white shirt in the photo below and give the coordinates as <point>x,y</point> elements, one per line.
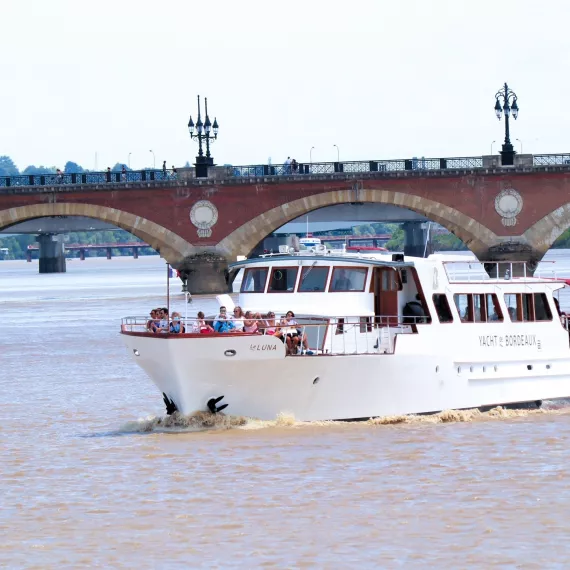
<point>238,318</point>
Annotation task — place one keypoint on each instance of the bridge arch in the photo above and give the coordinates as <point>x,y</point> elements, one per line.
<point>171,246</point>
<point>477,237</point>
<point>548,229</point>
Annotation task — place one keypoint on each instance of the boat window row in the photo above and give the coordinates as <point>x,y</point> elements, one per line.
<point>313,279</point>
<point>525,307</point>
<point>485,307</point>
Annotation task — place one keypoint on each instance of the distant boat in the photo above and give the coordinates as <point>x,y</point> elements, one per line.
<point>309,242</point>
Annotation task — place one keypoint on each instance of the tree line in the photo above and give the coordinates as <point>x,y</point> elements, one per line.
<point>9,168</point>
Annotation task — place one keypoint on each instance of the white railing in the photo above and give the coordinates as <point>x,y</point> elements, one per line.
<point>494,271</point>
<point>319,335</point>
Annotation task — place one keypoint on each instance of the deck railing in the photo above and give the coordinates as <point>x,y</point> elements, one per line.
<point>472,270</point>
<point>320,335</point>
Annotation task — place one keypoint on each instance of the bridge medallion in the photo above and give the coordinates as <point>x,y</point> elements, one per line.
<point>204,216</point>
<point>508,204</point>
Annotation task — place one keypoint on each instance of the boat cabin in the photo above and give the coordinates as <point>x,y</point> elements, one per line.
<point>389,290</point>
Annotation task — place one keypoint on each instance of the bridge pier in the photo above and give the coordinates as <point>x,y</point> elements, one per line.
<point>52,253</point>
<point>109,253</point>
<point>205,274</point>
<point>415,239</point>
<point>81,255</point>
<point>135,252</point>
<point>510,259</point>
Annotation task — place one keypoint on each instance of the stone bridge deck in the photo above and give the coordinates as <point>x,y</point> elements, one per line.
<point>199,225</point>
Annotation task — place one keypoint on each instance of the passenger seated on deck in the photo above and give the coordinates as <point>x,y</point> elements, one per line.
<point>252,322</point>
<point>200,326</point>
<point>176,327</point>
<point>238,318</point>
<point>152,323</point>
<point>223,324</point>
<point>287,334</point>
<point>270,326</point>
<point>295,335</point>
<point>513,314</point>
<point>164,320</point>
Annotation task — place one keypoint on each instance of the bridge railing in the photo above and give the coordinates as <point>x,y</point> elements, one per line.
<point>551,159</point>
<point>87,178</point>
<point>266,170</point>
<point>356,166</point>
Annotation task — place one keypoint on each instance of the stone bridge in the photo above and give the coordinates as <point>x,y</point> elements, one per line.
<point>199,225</point>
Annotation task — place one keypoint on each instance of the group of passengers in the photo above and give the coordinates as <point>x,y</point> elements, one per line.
<point>160,322</point>
<point>286,328</point>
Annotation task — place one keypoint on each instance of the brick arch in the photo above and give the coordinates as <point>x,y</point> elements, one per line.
<point>548,229</point>
<point>171,246</point>
<point>477,237</point>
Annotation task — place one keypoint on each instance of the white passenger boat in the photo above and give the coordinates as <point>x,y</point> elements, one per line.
<point>388,335</point>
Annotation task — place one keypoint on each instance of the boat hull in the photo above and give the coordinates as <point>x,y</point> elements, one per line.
<point>258,380</point>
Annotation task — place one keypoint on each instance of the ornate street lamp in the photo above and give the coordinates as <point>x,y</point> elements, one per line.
<point>203,130</point>
<point>509,105</point>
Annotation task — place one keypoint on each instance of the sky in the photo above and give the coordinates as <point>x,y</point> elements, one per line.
<point>92,81</point>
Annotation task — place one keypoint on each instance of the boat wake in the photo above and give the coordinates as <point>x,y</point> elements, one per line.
<point>202,421</point>
<point>177,422</point>
<point>454,416</point>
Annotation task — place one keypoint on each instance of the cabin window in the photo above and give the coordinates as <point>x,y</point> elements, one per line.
<point>464,305</point>
<point>254,280</point>
<point>528,307</point>
<point>542,310</point>
<point>512,307</point>
<point>389,280</point>
<point>313,279</point>
<point>479,308</point>
<point>494,312</point>
<point>442,308</point>
<point>283,280</point>
<point>348,279</point>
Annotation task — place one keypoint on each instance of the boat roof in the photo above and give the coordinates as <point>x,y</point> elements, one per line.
<point>355,258</point>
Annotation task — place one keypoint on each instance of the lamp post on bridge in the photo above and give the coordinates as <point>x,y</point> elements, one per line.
<point>203,134</point>
<point>337,153</point>
<point>509,104</point>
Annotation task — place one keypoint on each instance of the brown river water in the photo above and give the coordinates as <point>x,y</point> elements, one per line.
<point>93,475</point>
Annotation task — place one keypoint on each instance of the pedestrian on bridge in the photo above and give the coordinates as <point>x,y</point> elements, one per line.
<point>108,174</point>
<point>164,174</point>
